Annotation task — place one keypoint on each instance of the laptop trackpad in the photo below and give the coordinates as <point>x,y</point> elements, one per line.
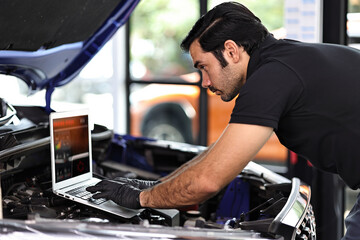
<point>112,207</point>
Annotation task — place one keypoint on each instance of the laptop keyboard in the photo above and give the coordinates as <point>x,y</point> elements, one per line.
<point>81,192</point>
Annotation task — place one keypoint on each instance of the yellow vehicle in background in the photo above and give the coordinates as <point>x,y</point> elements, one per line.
<point>171,112</point>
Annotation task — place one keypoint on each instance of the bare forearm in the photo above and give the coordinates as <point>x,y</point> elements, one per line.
<point>209,172</point>
<point>187,188</point>
<point>184,166</point>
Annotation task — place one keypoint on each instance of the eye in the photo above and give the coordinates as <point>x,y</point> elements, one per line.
<point>202,67</point>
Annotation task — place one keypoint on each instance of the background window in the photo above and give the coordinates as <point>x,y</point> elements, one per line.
<point>155,38</point>
<point>165,95</point>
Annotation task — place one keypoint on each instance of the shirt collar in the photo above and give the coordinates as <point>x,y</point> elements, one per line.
<point>255,55</point>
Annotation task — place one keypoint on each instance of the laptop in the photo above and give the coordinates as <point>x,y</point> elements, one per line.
<point>71,162</point>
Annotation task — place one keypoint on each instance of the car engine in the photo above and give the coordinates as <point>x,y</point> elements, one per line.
<point>258,204</point>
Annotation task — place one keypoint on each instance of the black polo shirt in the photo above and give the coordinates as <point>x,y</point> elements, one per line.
<point>310,94</point>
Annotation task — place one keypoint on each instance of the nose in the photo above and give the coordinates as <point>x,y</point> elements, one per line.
<point>205,83</point>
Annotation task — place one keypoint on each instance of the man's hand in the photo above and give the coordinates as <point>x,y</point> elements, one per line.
<point>137,183</point>
<point>124,195</point>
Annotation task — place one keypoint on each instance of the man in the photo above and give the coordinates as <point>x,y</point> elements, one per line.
<point>309,94</point>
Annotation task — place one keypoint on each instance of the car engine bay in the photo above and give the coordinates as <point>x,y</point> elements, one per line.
<point>257,204</point>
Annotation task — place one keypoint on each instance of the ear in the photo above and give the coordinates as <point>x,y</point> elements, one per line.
<point>232,51</point>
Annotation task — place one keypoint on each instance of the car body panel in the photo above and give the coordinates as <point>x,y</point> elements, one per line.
<point>49,47</point>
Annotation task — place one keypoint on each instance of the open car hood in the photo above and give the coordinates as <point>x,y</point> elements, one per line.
<point>47,43</point>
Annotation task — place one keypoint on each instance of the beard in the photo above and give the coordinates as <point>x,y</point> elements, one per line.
<point>234,82</point>
<point>228,83</point>
<point>230,96</point>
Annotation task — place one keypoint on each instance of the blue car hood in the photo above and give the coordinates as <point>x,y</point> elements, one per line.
<point>47,43</point>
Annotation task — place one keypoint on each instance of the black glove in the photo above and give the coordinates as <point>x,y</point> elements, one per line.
<point>124,195</point>
<point>140,184</point>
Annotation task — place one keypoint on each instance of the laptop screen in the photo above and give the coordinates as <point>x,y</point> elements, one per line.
<point>71,147</point>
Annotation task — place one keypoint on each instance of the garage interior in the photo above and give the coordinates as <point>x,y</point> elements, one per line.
<point>152,94</point>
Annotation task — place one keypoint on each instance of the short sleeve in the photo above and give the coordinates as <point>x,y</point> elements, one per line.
<point>268,94</point>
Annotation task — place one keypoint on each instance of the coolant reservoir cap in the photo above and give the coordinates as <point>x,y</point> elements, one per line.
<point>193,213</point>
